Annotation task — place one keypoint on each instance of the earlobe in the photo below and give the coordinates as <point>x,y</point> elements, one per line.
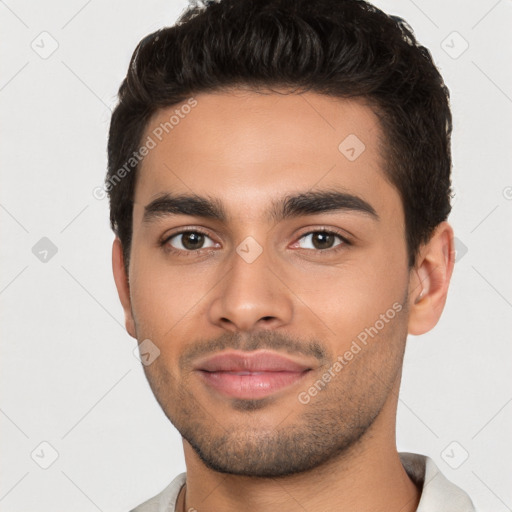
<point>430,279</point>
<point>122,285</point>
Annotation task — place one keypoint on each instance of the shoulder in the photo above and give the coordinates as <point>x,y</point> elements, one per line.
<point>437,492</point>
<point>164,501</point>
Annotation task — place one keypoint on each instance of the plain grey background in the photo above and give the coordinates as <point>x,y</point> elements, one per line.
<point>69,378</point>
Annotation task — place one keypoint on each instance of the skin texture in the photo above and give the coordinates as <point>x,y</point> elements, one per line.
<point>247,149</point>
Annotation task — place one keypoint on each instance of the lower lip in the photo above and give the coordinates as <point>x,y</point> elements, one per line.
<point>253,385</point>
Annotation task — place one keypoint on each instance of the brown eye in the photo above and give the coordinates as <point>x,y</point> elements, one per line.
<point>321,240</point>
<point>192,240</point>
<point>189,241</point>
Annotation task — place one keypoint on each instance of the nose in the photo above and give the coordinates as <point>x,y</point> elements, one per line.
<point>251,296</point>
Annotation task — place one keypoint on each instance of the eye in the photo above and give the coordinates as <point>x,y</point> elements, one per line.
<point>189,241</point>
<point>321,240</point>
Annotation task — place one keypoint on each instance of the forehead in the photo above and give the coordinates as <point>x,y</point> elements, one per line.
<point>246,148</point>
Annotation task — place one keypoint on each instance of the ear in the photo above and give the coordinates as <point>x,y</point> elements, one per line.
<point>122,285</point>
<point>429,280</point>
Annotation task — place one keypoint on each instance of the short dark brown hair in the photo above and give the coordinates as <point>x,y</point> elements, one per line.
<point>340,48</point>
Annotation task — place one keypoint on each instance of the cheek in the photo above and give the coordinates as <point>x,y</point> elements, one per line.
<point>165,299</point>
<point>349,296</point>
<point>352,296</point>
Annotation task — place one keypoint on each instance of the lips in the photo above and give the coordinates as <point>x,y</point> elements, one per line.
<point>249,375</point>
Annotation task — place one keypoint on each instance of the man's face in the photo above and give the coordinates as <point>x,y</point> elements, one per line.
<point>264,279</point>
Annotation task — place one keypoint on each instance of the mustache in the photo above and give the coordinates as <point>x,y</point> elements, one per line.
<point>269,340</point>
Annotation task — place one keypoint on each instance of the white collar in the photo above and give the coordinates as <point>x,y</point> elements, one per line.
<point>438,493</point>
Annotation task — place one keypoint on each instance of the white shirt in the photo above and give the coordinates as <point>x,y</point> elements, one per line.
<point>438,494</point>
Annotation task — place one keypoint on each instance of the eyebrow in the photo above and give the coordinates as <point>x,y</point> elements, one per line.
<point>290,206</point>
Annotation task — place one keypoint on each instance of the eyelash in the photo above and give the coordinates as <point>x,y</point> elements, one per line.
<point>181,252</point>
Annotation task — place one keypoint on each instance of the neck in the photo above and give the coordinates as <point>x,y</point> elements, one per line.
<point>369,476</point>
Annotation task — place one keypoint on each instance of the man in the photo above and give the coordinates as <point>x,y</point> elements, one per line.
<point>279,181</point>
